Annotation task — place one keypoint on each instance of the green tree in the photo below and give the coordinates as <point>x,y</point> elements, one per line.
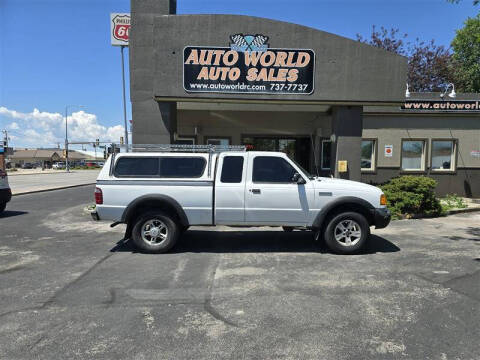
<point>466,56</point>
<point>475,2</point>
<point>428,63</point>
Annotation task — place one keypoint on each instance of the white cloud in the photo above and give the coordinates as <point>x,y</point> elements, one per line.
<point>41,128</point>
<point>13,126</point>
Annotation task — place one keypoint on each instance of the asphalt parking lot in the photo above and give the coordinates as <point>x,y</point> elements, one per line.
<point>71,288</point>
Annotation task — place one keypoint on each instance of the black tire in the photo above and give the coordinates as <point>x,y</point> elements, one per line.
<point>287,228</point>
<point>2,207</point>
<point>172,232</point>
<point>349,220</point>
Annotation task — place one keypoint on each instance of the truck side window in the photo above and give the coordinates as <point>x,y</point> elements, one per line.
<point>136,167</point>
<point>182,167</point>
<point>271,169</point>
<point>232,169</point>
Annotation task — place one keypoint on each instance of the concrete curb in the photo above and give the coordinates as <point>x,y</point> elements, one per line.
<point>460,211</point>
<point>47,173</point>
<point>449,212</point>
<point>37,173</point>
<point>51,189</point>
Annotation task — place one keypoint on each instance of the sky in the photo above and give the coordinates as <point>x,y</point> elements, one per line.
<point>55,53</point>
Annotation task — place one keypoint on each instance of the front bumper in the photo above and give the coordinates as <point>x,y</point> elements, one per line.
<point>5,195</point>
<point>381,217</point>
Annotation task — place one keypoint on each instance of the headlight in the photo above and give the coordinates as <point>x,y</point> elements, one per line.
<point>383,199</point>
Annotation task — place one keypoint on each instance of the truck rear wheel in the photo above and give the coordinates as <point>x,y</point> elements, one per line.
<point>155,233</point>
<point>2,207</point>
<point>347,233</point>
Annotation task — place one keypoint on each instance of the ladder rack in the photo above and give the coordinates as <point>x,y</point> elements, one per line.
<point>210,149</point>
<point>183,148</point>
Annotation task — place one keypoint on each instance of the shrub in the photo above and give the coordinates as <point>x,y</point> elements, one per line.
<point>409,195</point>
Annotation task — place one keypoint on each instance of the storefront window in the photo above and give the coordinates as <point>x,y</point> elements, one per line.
<point>443,154</point>
<point>287,146</point>
<point>326,154</point>
<point>297,149</point>
<point>413,155</point>
<point>185,140</point>
<point>368,155</point>
<point>218,141</point>
<point>260,144</point>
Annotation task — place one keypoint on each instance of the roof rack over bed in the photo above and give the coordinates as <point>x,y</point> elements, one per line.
<point>210,149</point>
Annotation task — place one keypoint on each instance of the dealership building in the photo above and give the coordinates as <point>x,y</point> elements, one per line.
<point>336,106</point>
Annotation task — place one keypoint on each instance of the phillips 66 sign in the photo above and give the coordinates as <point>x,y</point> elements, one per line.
<point>119,28</point>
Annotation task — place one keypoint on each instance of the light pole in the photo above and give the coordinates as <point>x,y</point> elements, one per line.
<point>67,166</point>
<point>124,101</point>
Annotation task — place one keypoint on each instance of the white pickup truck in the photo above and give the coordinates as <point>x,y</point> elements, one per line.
<point>160,194</point>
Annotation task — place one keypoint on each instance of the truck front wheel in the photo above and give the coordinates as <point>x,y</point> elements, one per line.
<point>2,207</point>
<point>155,233</point>
<point>347,233</point>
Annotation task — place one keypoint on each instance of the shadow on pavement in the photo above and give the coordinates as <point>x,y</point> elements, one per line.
<point>473,231</point>
<point>200,241</point>
<point>10,213</point>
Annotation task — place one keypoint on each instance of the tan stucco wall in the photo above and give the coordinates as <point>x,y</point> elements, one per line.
<point>391,129</point>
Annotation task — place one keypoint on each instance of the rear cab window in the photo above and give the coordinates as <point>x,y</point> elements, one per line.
<point>232,169</point>
<point>160,167</point>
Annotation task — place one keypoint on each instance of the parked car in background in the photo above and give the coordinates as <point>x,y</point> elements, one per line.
<point>5,192</point>
<point>160,194</point>
<point>28,166</point>
<point>58,165</point>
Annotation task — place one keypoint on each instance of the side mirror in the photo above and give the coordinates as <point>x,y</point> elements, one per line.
<point>297,178</point>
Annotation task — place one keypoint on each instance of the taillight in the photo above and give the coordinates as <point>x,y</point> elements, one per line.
<point>383,199</point>
<point>98,196</point>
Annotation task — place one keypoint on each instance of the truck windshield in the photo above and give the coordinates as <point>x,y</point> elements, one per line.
<point>310,176</point>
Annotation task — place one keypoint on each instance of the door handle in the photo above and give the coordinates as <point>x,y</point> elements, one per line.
<point>255,191</point>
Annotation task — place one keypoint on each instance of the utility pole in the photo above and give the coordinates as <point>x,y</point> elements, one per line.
<point>66,140</point>
<point>5,138</point>
<point>67,166</point>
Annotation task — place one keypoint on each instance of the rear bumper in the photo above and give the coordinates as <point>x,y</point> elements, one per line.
<point>381,217</point>
<point>5,195</point>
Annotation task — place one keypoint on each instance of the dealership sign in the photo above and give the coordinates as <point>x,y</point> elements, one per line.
<point>248,66</point>
<point>119,28</point>
<point>440,105</point>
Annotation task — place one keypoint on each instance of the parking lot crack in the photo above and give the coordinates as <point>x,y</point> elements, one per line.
<point>63,290</point>
<point>207,305</point>
<point>449,284</point>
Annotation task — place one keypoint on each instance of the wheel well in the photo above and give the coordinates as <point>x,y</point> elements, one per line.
<point>152,205</point>
<point>347,207</point>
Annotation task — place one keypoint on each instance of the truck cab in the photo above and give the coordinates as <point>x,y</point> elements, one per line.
<point>240,188</point>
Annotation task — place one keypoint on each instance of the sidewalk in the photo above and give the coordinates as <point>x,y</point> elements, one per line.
<point>34,172</point>
<point>472,205</point>
<point>48,180</point>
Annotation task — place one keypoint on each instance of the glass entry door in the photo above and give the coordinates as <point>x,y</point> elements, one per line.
<point>298,149</point>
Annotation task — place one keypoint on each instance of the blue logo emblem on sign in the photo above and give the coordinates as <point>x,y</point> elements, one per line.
<point>244,43</point>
